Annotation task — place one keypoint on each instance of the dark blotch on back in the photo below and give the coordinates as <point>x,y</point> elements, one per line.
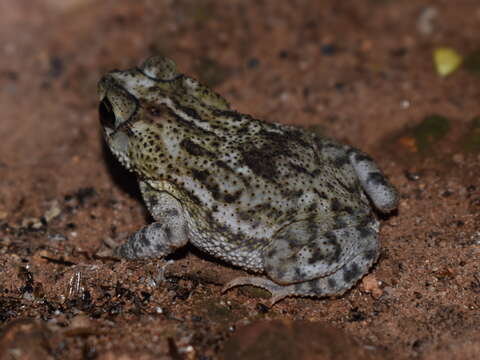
<point>223,165</point>
<point>335,205</point>
<point>194,149</point>
<point>317,256</point>
<point>230,198</point>
<point>190,112</point>
<point>272,146</point>
<point>332,240</point>
<point>261,162</point>
<point>287,137</point>
<point>352,273</point>
<point>200,175</point>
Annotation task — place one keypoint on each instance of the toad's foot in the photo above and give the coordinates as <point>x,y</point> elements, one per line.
<point>278,291</point>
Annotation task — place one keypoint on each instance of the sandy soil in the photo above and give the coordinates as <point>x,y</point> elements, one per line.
<point>361,70</point>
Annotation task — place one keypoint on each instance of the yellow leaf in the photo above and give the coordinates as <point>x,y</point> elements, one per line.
<point>446,60</point>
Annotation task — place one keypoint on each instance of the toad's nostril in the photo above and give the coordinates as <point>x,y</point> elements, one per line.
<point>107,116</point>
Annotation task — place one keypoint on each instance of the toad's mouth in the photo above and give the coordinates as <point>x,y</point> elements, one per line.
<point>113,123</point>
<point>117,137</point>
<point>106,113</point>
<point>117,107</point>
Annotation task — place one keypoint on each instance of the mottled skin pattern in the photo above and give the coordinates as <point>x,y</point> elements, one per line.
<point>269,198</point>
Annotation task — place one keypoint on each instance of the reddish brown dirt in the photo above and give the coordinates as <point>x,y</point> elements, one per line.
<point>361,70</point>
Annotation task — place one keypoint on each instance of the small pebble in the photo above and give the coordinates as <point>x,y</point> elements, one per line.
<point>425,25</point>
<point>371,285</point>
<point>53,212</point>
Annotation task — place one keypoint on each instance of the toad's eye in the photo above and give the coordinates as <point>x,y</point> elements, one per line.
<point>154,111</point>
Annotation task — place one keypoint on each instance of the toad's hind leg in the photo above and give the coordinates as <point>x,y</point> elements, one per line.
<point>327,265</point>
<point>332,285</point>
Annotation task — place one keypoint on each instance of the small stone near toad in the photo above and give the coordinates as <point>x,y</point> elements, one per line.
<point>425,22</point>
<point>370,285</point>
<point>53,212</point>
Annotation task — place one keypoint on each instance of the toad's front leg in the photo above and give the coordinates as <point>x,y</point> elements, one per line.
<point>165,235</point>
